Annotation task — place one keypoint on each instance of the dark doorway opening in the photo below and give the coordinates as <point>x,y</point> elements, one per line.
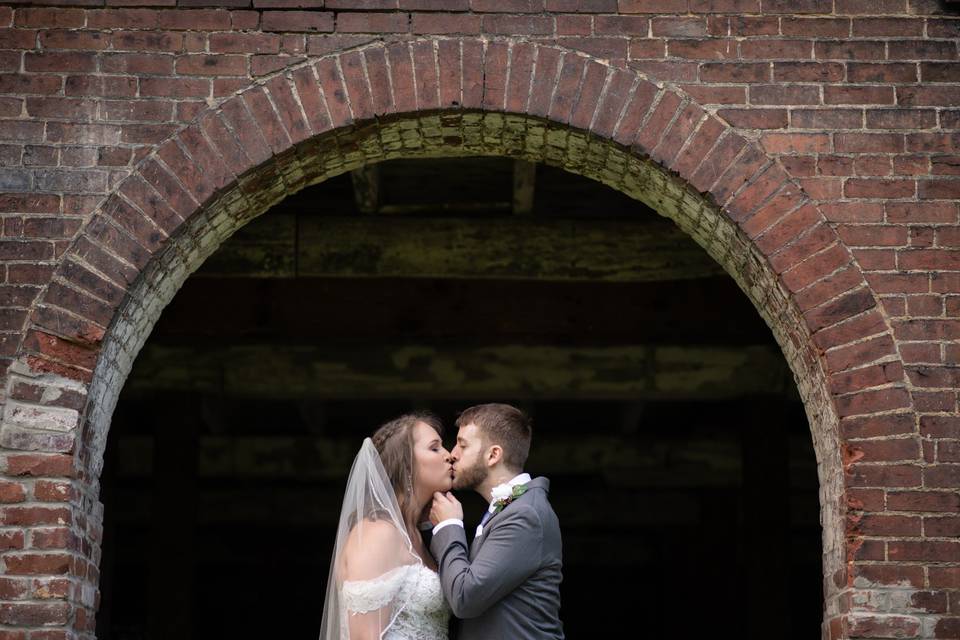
<point>680,458</point>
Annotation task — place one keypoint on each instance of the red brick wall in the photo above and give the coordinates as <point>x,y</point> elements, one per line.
<point>823,133</point>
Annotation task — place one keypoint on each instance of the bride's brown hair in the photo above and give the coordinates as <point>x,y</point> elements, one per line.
<point>394,443</point>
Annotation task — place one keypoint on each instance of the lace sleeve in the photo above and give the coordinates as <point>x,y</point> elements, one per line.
<point>361,596</point>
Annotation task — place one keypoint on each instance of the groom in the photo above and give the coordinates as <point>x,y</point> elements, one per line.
<point>507,585</point>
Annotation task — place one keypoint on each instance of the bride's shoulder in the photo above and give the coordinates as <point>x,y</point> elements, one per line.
<point>375,530</point>
<point>373,546</point>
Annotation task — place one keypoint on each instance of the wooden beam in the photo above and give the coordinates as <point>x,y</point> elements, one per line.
<point>319,506</point>
<point>630,372</point>
<point>304,310</point>
<point>372,188</point>
<point>281,246</point>
<point>648,460</point>
<point>524,176</point>
<point>637,462</point>
<point>366,188</point>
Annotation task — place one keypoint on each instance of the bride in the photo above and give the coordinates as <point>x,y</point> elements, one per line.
<point>383,581</point>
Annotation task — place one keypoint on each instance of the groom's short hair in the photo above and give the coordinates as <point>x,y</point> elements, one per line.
<point>504,425</point>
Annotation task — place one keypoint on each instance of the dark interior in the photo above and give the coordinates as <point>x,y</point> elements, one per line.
<point>680,459</point>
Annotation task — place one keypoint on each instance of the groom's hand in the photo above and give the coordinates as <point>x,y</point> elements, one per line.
<point>445,506</point>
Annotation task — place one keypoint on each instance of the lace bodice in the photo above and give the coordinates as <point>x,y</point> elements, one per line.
<point>426,615</point>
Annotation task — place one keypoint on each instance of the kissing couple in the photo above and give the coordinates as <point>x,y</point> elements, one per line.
<point>387,581</point>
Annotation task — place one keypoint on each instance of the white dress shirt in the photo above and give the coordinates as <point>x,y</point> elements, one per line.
<point>523,478</point>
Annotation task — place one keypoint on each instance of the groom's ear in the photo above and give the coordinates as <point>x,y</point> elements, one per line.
<point>494,455</point>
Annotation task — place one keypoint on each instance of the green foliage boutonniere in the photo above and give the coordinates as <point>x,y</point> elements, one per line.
<point>515,493</point>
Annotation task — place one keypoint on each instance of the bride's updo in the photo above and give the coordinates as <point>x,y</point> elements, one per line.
<point>394,443</point>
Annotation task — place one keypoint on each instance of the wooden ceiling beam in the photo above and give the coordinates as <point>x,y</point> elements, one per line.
<point>524,179</point>
<point>624,372</point>
<point>366,188</point>
<point>482,246</point>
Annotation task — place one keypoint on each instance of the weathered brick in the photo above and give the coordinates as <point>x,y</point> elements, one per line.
<point>194,19</point>
<point>309,21</point>
<point>860,96</point>
<point>521,78</point>
<point>49,17</point>
<point>211,65</point>
<point>370,23</point>
<point>59,61</point>
<point>450,74</point>
<point>849,94</point>
<point>807,72</point>
<point>445,23</point>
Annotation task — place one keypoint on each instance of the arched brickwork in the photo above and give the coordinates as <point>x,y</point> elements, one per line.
<point>452,96</point>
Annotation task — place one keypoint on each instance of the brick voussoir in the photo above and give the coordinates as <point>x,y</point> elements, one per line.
<point>700,145</point>
<point>751,198</point>
<point>402,83</point>
<point>134,222</point>
<point>496,68</point>
<point>169,187</point>
<point>334,92</point>
<point>136,190</point>
<point>226,145</point>
<point>829,287</point>
<point>680,132</point>
<point>381,90</point>
<point>249,140</point>
<point>814,240</point>
<point>815,267</point>
<point>267,119</point>
<point>79,303</point>
<point>744,168</point>
<point>521,77</point>
<point>657,121</point>
<point>187,172</point>
<point>104,260</point>
<point>612,101</point>
<point>280,92</point>
<point>471,66</point>
<point>790,228</point>
<point>309,94</point>
<point>545,75</point>
<point>450,74</point>
<point>591,91</point>
<point>425,75</point>
<point>355,86</point>
<point>195,145</point>
<point>712,166</point>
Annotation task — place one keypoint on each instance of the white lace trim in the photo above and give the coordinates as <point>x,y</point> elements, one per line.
<point>426,614</point>
<point>360,596</point>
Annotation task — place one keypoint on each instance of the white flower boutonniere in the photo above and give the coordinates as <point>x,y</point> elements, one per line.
<point>504,495</point>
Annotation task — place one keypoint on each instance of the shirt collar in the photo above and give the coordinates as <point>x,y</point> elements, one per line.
<point>523,478</point>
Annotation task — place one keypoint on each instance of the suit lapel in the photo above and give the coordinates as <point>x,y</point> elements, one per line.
<point>536,483</point>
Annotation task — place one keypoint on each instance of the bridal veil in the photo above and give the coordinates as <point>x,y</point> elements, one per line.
<point>371,556</point>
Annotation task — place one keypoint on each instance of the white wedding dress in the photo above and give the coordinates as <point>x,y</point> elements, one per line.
<point>426,614</point>
<point>378,585</point>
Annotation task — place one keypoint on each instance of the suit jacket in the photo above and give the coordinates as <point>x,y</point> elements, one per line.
<point>507,584</point>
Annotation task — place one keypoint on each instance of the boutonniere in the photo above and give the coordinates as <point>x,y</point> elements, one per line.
<point>506,496</point>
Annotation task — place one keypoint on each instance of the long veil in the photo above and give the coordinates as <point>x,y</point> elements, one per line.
<point>370,556</point>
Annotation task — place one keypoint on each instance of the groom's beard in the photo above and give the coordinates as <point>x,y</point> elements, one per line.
<point>471,477</point>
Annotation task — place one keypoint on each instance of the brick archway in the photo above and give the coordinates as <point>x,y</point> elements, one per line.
<point>435,97</point>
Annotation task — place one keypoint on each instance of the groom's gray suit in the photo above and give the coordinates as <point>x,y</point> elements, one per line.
<point>508,585</point>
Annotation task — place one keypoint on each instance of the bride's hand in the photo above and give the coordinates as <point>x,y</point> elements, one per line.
<point>445,507</point>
